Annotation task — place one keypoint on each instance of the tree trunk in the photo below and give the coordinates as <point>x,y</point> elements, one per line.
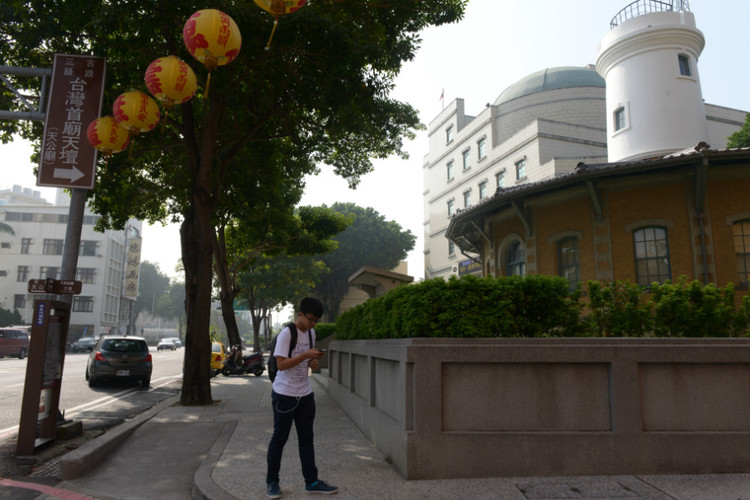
<point>196,257</point>
<point>226,290</point>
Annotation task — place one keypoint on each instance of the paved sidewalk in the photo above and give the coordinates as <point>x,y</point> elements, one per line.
<point>219,452</point>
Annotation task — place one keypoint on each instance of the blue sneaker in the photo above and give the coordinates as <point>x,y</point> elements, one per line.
<point>319,487</point>
<point>273,490</point>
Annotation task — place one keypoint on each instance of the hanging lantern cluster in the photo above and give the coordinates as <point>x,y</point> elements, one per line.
<point>278,8</point>
<point>213,38</point>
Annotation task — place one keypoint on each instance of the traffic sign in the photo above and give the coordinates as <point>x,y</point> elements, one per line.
<point>57,287</point>
<point>66,159</point>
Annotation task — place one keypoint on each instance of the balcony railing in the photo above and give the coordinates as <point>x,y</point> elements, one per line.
<point>641,7</point>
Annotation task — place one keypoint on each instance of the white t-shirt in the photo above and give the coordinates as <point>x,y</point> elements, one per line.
<point>295,381</point>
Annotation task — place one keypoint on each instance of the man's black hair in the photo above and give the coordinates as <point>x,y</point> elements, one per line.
<point>311,305</point>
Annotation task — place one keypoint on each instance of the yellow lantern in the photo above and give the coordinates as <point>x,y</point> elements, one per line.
<point>106,135</point>
<point>278,8</point>
<point>171,80</point>
<point>213,38</point>
<point>136,112</point>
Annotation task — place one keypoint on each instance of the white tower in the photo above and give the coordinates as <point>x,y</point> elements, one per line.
<point>649,62</point>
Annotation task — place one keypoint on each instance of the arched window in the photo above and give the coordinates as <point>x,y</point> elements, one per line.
<point>741,230</point>
<point>515,264</point>
<point>651,255</point>
<point>568,260</point>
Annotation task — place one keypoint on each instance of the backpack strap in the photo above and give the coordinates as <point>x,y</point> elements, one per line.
<point>293,340</point>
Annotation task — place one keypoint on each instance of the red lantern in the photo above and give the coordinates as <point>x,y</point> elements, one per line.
<point>171,80</point>
<point>213,38</point>
<point>106,135</point>
<point>136,112</point>
<point>278,8</point>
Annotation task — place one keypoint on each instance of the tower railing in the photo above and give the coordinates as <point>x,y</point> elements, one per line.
<point>641,7</point>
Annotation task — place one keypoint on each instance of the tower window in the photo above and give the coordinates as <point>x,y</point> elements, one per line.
<point>620,118</point>
<point>684,65</point>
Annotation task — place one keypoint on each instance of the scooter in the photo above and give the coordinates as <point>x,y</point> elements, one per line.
<point>236,364</point>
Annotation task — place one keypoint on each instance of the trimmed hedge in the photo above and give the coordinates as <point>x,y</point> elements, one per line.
<point>543,306</point>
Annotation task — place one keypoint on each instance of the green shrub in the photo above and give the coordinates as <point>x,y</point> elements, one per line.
<point>323,330</point>
<point>539,306</point>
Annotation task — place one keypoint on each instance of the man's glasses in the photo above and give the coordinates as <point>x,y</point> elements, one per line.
<point>312,319</point>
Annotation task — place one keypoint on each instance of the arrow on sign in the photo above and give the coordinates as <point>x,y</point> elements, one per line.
<point>72,174</point>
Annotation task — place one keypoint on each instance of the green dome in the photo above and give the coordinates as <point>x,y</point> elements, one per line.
<point>564,77</point>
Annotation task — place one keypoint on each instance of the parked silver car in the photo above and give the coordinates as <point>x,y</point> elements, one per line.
<point>119,358</point>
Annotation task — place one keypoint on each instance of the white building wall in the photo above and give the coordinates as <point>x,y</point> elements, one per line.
<point>40,221</point>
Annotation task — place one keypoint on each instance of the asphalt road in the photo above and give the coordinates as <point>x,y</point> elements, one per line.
<point>77,400</point>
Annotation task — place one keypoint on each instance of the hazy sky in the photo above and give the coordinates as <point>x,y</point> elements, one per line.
<point>496,44</point>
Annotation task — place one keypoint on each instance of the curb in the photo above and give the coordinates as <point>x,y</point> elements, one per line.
<point>204,487</point>
<point>80,460</point>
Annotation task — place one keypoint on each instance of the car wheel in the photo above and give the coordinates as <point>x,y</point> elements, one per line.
<point>146,382</point>
<point>92,382</point>
<point>22,354</point>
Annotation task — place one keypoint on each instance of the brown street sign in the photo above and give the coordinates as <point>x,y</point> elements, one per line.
<point>57,287</point>
<point>67,159</point>
<point>68,287</point>
<point>42,286</point>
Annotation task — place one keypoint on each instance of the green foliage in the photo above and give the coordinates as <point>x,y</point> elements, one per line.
<point>618,309</point>
<point>542,306</point>
<point>324,330</point>
<point>467,307</point>
<point>741,138</point>
<point>8,318</point>
<point>370,240</point>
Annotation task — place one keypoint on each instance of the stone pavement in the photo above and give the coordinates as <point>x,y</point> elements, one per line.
<point>218,453</point>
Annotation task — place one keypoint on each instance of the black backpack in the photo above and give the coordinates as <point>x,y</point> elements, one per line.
<point>272,366</point>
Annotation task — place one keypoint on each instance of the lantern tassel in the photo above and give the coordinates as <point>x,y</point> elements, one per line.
<point>273,30</point>
<point>208,84</point>
<point>164,125</point>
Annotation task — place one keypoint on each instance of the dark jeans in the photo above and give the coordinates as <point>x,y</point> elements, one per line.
<point>301,411</point>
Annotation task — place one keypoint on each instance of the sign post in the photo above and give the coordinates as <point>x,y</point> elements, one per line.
<point>44,368</point>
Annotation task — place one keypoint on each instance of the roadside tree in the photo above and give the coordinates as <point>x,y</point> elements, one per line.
<point>322,88</point>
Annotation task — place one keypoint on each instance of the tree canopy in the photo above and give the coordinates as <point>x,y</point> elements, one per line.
<point>741,138</point>
<point>370,240</point>
<point>319,94</point>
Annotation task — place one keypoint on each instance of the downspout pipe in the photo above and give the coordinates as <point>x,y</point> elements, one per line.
<point>700,198</point>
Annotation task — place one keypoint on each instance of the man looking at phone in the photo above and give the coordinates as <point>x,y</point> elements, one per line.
<point>293,400</point>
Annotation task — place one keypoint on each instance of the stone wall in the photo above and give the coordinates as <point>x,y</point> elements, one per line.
<point>462,408</point>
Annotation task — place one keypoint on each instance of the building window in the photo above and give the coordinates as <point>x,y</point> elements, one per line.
<point>482,148</point>
<point>86,275</point>
<point>52,247</point>
<point>515,264</point>
<point>651,255</point>
<point>451,207</point>
<point>449,170</point>
<point>25,245</point>
<point>568,261</point>
<point>467,199</point>
<point>483,190</point>
<point>741,231</point>
<point>48,272</point>
<point>500,179</point>
<point>19,301</point>
<point>83,304</point>
<point>5,244</point>
<point>521,169</point>
<point>88,248</point>
<point>619,118</point>
<point>466,159</point>
<point>451,248</point>
<point>684,65</point>
<point>449,135</point>
<point>23,274</point>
